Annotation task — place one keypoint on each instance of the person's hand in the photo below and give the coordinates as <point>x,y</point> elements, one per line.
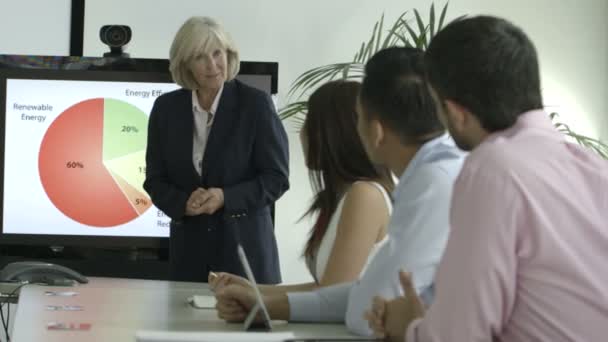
<point>204,201</point>
<point>194,205</point>
<point>390,319</point>
<point>234,302</point>
<point>212,200</point>
<point>376,316</point>
<point>222,279</point>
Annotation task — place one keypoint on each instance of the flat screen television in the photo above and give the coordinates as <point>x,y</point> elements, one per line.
<point>72,161</point>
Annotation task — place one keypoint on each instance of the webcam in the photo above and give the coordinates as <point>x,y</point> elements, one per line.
<point>116,37</point>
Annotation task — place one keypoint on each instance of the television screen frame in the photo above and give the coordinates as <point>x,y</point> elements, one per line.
<point>87,69</point>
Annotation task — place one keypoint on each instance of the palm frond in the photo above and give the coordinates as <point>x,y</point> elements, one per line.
<point>293,110</point>
<point>432,21</point>
<point>399,34</point>
<point>379,35</point>
<point>358,55</point>
<point>393,35</point>
<point>316,76</point>
<point>442,17</point>
<point>401,38</point>
<point>595,145</point>
<point>417,38</point>
<point>345,71</point>
<point>421,30</point>
<point>368,46</point>
<point>298,122</point>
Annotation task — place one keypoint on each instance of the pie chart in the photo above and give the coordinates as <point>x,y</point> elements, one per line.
<point>92,162</point>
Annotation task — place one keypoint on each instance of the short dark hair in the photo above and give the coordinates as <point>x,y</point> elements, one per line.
<point>395,91</point>
<point>489,66</point>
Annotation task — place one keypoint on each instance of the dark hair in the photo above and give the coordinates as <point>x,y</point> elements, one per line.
<point>487,65</point>
<point>336,157</point>
<point>395,91</point>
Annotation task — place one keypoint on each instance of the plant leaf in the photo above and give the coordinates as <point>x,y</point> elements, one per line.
<point>415,37</point>
<point>432,21</point>
<point>400,33</point>
<point>379,35</point>
<point>393,34</point>
<point>293,109</point>
<point>595,145</point>
<point>337,72</point>
<point>370,45</point>
<point>367,47</point>
<point>314,77</point>
<point>304,80</point>
<point>345,71</point>
<point>359,55</point>
<point>299,122</point>
<point>421,28</point>
<point>401,38</point>
<point>442,17</point>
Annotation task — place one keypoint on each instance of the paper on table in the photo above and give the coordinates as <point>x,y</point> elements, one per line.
<point>202,302</point>
<point>174,336</point>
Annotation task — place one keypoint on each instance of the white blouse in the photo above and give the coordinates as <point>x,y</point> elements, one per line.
<point>202,125</point>
<point>320,259</point>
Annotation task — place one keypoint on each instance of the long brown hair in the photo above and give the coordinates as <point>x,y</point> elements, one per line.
<point>335,154</point>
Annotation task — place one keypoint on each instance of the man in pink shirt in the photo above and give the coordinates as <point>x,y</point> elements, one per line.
<point>527,256</point>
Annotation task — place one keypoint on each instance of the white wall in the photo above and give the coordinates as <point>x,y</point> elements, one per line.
<point>35,27</point>
<point>570,37</point>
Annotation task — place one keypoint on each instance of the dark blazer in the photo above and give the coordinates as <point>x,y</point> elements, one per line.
<point>246,155</point>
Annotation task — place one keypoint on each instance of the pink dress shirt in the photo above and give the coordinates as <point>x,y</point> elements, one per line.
<point>527,256</point>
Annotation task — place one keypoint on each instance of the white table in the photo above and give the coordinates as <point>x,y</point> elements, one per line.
<point>117,308</point>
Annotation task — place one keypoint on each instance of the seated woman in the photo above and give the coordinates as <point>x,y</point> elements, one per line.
<point>351,201</point>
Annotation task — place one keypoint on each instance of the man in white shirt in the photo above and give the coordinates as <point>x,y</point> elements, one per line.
<point>399,127</point>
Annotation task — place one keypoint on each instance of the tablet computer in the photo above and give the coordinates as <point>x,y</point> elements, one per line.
<point>250,321</point>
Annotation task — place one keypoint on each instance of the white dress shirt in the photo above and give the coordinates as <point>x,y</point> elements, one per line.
<point>202,125</point>
<point>417,235</point>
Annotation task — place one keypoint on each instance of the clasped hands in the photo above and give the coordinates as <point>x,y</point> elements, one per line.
<point>205,201</point>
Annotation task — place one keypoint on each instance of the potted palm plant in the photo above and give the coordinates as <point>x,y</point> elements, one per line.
<point>405,31</point>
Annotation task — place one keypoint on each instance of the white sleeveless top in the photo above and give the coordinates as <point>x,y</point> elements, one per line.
<point>318,264</point>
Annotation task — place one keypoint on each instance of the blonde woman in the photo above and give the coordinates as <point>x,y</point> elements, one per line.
<point>216,151</point>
